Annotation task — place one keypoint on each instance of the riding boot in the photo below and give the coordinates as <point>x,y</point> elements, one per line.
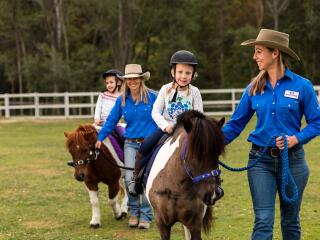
<point>135,187</point>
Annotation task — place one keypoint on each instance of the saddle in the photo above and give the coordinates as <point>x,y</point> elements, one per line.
<point>146,163</point>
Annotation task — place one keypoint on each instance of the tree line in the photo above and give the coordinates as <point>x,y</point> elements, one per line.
<point>65,45</point>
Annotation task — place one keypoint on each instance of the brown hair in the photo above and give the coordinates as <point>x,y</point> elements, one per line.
<point>258,83</point>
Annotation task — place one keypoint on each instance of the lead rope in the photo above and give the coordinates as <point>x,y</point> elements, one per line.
<point>286,176</point>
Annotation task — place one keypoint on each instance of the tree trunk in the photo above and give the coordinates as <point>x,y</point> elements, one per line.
<point>259,13</point>
<point>276,7</point>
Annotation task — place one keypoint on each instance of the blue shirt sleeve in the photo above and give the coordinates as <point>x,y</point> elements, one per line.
<point>312,115</point>
<point>112,120</point>
<point>239,118</point>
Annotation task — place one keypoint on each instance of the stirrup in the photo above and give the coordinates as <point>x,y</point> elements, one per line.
<point>132,188</point>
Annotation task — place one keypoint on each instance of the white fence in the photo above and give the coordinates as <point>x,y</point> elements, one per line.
<point>217,102</point>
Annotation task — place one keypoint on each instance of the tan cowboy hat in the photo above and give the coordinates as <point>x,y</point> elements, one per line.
<point>134,71</point>
<point>273,39</point>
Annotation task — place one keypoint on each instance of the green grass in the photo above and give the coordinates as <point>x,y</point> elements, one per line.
<point>39,198</point>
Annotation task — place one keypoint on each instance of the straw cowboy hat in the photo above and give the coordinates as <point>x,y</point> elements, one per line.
<point>134,71</point>
<point>273,39</point>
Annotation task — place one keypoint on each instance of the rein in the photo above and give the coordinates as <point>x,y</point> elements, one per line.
<point>213,173</point>
<point>286,176</point>
<point>97,152</point>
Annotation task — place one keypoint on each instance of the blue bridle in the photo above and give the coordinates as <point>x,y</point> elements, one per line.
<point>213,173</point>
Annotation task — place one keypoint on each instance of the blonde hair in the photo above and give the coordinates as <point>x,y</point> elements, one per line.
<point>259,82</point>
<point>143,93</point>
<point>174,85</point>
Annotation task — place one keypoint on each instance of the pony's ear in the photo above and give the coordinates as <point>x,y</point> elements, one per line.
<point>66,134</point>
<point>221,122</point>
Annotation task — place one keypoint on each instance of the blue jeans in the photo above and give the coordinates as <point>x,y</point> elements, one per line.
<point>138,208</point>
<point>265,181</point>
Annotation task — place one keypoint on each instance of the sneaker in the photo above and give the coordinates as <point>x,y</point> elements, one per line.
<point>143,224</point>
<point>133,221</point>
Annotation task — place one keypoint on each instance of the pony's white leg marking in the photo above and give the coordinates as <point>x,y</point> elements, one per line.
<point>187,234</point>
<point>162,158</point>
<point>114,204</point>
<point>124,196</point>
<point>95,207</point>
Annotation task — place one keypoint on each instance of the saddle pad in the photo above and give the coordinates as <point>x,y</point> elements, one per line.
<point>108,144</point>
<point>151,157</point>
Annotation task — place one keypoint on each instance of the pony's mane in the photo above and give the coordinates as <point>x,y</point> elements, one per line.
<point>205,139</point>
<point>80,136</point>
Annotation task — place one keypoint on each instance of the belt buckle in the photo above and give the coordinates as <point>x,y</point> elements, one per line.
<point>274,152</point>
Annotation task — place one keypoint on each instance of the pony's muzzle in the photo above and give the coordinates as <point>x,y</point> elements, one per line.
<point>219,193</point>
<point>79,177</point>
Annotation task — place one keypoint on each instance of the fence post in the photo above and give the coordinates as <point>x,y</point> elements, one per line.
<point>92,104</point>
<point>7,105</point>
<point>36,105</point>
<point>66,104</point>
<point>233,98</point>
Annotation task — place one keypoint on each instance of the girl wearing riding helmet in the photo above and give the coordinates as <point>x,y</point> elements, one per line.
<point>173,99</point>
<point>105,103</point>
<point>107,99</point>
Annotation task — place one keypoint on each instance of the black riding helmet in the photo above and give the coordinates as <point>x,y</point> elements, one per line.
<point>114,72</point>
<point>183,57</point>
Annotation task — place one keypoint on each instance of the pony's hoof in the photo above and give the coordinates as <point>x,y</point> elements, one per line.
<point>95,226</point>
<point>123,215</point>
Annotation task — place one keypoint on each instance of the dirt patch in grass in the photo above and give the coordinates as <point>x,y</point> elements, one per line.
<point>42,224</point>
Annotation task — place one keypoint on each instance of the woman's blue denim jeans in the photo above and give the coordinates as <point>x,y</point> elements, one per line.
<point>138,208</point>
<point>265,182</point>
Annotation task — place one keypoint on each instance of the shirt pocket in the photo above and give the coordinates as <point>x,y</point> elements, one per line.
<point>258,102</point>
<point>288,103</point>
<point>146,112</point>
<point>128,115</point>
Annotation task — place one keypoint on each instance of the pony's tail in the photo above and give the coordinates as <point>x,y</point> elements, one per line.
<point>207,220</point>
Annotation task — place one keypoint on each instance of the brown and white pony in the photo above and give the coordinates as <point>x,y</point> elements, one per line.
<point>181,186</point>
<point>93,168</point>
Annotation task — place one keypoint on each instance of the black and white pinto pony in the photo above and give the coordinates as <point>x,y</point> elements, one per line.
<point>181,186</point>
<point>93,168</point>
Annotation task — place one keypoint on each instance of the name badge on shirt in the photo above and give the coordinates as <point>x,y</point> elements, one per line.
<point>291,94</point>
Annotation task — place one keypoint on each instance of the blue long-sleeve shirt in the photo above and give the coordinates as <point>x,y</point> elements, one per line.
<point>278,110</point>
<point>137,117</point>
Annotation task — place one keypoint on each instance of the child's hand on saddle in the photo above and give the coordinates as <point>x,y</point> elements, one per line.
<point>169,129</point>
<point>98,144</point>
<point>291,141</point>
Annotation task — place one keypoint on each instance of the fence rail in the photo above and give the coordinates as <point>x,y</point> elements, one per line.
<point>217,102</point>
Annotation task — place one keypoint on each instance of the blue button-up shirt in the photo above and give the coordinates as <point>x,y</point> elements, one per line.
<point>137,117</point>
<point>279,110</point>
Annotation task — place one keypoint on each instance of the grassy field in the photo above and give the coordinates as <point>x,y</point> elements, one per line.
<point>39,198</point>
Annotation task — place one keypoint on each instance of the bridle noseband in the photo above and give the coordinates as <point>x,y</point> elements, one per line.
<point>90,158</point>
<point>214,173</point>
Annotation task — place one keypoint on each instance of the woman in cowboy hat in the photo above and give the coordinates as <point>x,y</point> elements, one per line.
<point>135,105</point>
<point>279,98</point>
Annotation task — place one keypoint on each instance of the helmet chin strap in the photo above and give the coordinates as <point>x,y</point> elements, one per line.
<point>116,87</point>
<point>174,98</point>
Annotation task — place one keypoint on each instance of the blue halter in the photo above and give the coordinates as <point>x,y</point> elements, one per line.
<point>213,173</point>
